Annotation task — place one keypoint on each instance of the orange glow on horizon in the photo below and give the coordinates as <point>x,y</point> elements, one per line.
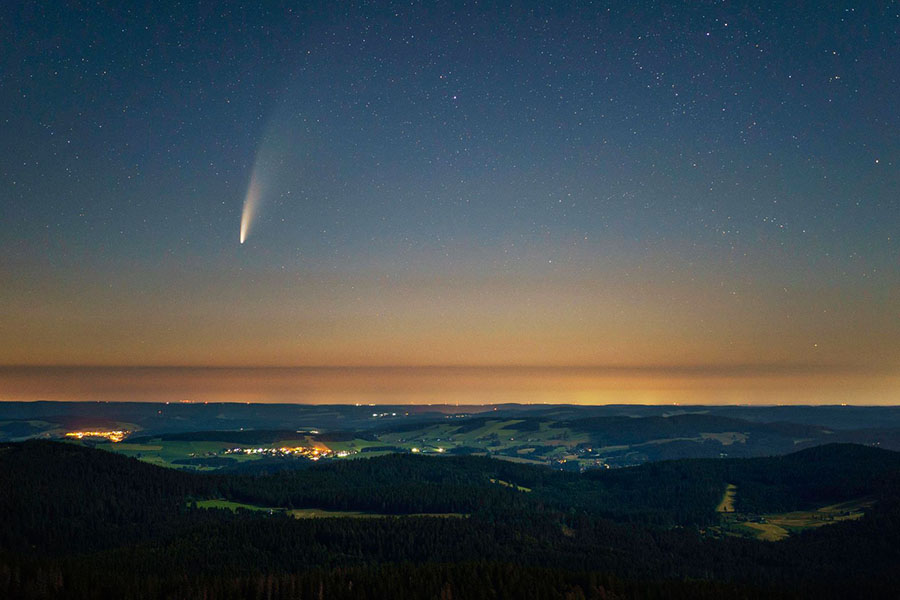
<point>452,385</point>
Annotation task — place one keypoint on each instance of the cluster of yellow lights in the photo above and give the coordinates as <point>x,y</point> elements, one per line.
<point>309,452</point>
<point>114,436</point>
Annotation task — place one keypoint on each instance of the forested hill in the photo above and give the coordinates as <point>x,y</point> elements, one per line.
<point>668,493</point>
<point>56,497</point>
<point>90,524</point>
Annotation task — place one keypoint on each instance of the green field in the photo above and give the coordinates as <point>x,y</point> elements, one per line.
<point>772,527</point>
<point>727,503</point>
<point>522,460</point>
<point>511,485</point>
<point>494,436</point>
<point>317,513</point>
<point>766,532</point>
<point>124,447</point>
<point>233,506</point>
<point>313,513</point>
<point>165,452</point>
<point>793,522</point>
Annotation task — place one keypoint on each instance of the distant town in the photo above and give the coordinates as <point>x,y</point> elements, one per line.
<point>312,453</point>
<point>116,435</point>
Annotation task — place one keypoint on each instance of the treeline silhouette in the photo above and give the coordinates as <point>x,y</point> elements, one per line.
<point>83,523</point>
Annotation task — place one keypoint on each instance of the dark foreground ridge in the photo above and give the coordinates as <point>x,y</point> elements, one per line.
<point>83,523</point>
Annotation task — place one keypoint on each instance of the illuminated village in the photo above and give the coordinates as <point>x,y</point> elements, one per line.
<point>116,435</point>
<point>312,453</point>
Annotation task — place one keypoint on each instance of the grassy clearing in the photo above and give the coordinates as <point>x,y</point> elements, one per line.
<point>356,445</point>
<point>773,527</point>
<point>318,513</point>
<point>726,438</point>
<point>727,503</point>
<point>314,513</point>
<point>834,513</point>
<point>164,453</point>
<point>767,532</point>
<point>125,446</point>
<point>519,459</point>
<point>500,428</point>
<point>428,433</point>
<point>511,485</point>
<point>502,438</point>
<point>610,449</point>
<point>293,442</point>
<point>234,506</point>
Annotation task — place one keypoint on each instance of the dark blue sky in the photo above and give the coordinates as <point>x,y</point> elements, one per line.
<point>712,183</point>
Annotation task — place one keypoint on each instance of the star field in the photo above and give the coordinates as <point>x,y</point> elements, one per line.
<point>713,183</point>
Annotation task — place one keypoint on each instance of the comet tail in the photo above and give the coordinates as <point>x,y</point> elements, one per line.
<point>251,201</point>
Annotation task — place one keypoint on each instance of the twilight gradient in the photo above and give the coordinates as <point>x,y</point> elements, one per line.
<point>667,189</point>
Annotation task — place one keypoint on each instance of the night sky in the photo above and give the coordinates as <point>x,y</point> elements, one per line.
<point>706,187</point>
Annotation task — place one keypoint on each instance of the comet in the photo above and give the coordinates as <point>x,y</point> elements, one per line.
<point>274,168</point>
<point>251,204</point>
